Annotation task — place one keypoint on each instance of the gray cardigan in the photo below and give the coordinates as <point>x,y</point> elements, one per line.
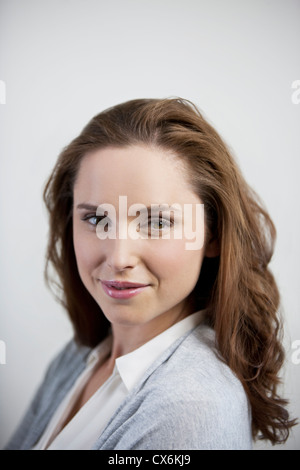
<point>188,399</point>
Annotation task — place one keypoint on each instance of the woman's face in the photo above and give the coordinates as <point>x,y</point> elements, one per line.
<point>163,272</point>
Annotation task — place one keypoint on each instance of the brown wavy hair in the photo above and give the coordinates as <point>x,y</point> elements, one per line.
<point>237,288</point>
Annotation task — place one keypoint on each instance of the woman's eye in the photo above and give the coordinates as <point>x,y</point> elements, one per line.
<point>159,224</point>
<point>93,219</point>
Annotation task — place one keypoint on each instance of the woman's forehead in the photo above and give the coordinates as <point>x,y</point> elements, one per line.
<point>143,174</point>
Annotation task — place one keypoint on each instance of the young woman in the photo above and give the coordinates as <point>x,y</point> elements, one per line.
<point>177,343</point>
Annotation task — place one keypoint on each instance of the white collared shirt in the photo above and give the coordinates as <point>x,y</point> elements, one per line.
<point>85,427</point>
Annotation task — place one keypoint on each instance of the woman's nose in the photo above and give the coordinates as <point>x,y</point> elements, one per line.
<point>121,254</point>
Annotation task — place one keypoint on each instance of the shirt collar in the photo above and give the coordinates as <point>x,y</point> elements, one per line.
<point>100,352</point>
<point>132,366</point>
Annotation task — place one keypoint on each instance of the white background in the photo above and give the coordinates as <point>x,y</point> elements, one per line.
<point>63,61</point>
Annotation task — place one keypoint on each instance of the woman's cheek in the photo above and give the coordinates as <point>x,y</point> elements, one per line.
<point>170,258</point>
<point>86,252</point>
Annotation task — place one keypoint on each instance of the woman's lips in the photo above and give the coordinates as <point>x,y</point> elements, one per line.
<point>122,290</point>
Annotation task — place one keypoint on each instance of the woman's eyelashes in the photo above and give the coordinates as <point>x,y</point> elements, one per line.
<point>92,219</point>
<point>151,224</point>
<point>158,224</point>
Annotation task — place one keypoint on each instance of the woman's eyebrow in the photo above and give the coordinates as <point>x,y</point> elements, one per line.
<point>89,207</point>
<point>152,207</point>
<point>163,207</point>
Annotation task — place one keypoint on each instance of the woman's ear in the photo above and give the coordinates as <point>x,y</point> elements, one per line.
<point>212,248</point>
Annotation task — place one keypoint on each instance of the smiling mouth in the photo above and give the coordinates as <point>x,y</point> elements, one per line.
<point>122,290</point>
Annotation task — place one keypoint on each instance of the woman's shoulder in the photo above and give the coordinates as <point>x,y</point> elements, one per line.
<point>72,352</point>
<point>197,368</point>
<point>65,367</point>
<point>59,377</point>
<point>197,391</point>
<point>69,357</point>
<point>197,356</point>
<point>191,400</point>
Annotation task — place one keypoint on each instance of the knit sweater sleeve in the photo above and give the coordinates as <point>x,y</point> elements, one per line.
<point>52,388</point>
